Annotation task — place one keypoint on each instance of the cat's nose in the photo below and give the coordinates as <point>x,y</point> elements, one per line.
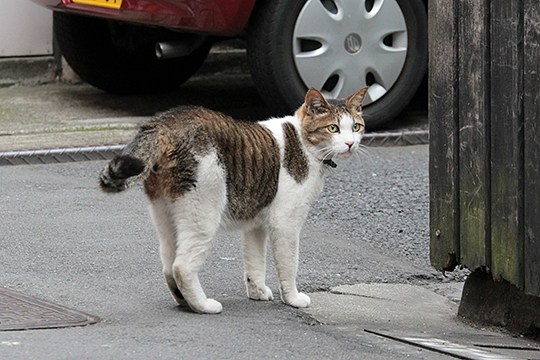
<point>349,144</point>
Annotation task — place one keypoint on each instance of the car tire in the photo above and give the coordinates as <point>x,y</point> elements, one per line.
<point>271,56</point>
<point>120,58</point>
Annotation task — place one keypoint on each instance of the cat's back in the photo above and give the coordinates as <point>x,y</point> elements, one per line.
<point>184,121</point>
<point>205,129</point>
<point>212,127</point>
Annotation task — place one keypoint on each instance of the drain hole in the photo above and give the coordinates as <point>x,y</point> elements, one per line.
<point>370,79</point>
<point>369,5</point>
<point>307,45</point>
<point>330,5</point>
<point>331,83</point>
<point>388,40</point>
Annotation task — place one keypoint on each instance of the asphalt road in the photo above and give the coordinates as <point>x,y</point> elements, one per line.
<point>64,241</point>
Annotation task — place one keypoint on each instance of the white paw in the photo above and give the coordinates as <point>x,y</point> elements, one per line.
<point>209,306</point>
<point>257,293</point>
<point>300,300</point>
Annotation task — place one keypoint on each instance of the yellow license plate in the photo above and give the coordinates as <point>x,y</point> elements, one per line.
<point>112,4</point>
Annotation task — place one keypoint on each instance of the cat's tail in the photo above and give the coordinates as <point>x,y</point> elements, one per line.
<point>135,162</point>
<point>114,176</point>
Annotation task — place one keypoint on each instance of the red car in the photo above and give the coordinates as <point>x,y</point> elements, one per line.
<point>134,46</point>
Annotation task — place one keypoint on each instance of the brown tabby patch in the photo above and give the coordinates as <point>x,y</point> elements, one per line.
<point>295,161</point>
<point>248,152</point>
<point>251,157</point>
<point>172,136</point>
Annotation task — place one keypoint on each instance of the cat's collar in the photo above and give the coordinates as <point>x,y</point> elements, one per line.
<point>330,163</point>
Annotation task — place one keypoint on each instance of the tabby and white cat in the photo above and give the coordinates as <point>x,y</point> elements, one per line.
<point>204,171</point>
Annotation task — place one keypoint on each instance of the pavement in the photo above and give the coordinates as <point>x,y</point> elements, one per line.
<point>72,113</point>
<point>395,319</point>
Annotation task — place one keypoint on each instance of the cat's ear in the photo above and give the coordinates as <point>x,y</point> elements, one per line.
<point>356,100</point>
<point>315,103</point>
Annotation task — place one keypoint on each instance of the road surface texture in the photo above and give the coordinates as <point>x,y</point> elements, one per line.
<point>66,242</point>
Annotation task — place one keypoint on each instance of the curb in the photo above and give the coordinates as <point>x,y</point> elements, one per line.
<point>62,155</point>
<point>27,70</point>
<point>398,138</point>
<point>106,152</point>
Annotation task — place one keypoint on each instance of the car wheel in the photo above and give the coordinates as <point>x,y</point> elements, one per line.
<point>339,46</point>
<point>120,58</point>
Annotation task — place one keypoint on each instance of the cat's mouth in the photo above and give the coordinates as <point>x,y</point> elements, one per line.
<point>345,155</point>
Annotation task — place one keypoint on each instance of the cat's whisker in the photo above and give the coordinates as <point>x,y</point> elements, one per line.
<point>364,150</point>
<point>363,153</point>
<point>326,153</point>
<point>326,148</point>
<point>358,155</point>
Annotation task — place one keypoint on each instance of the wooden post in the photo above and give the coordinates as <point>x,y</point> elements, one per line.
<point>484,110</point>
<point>507,140</point>
<point>474,112</point>
<point>444,222</point>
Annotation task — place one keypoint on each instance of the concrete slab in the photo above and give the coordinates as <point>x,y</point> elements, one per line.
<point>400,306</point>
<point>417,316</point>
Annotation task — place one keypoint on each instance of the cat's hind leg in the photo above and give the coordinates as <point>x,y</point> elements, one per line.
<point>285,250</point>
<point>197,215</point>
<point>193,246</point>
<point>254,246</point>
<point>164,223</point>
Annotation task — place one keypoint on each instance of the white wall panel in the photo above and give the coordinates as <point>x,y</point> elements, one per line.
<point>25,29</point>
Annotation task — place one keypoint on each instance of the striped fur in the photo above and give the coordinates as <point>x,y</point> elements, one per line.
<point>248,152</point>
<point>295,159</point>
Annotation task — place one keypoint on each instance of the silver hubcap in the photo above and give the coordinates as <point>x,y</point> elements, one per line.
<point>340,46</point>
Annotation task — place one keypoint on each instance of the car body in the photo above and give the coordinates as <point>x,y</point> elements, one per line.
<point>213,17</point>
<point>336,46</point>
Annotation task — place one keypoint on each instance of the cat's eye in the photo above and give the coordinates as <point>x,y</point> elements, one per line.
<point>333,128</point>
<point>356,127</point>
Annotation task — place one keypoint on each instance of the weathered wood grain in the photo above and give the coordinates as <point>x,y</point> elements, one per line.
<point>532,146</point>
<point>444,224</point>
<point>507,140</point>
<point>474,151</point>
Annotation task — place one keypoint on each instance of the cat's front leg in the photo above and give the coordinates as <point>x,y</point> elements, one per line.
<point>285,249</point>
<point>255,265</point>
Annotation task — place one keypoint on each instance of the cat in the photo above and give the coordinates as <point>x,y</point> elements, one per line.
<point>204,171</point>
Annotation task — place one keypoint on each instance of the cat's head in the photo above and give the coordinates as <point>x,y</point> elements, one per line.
<point>332,127</point>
